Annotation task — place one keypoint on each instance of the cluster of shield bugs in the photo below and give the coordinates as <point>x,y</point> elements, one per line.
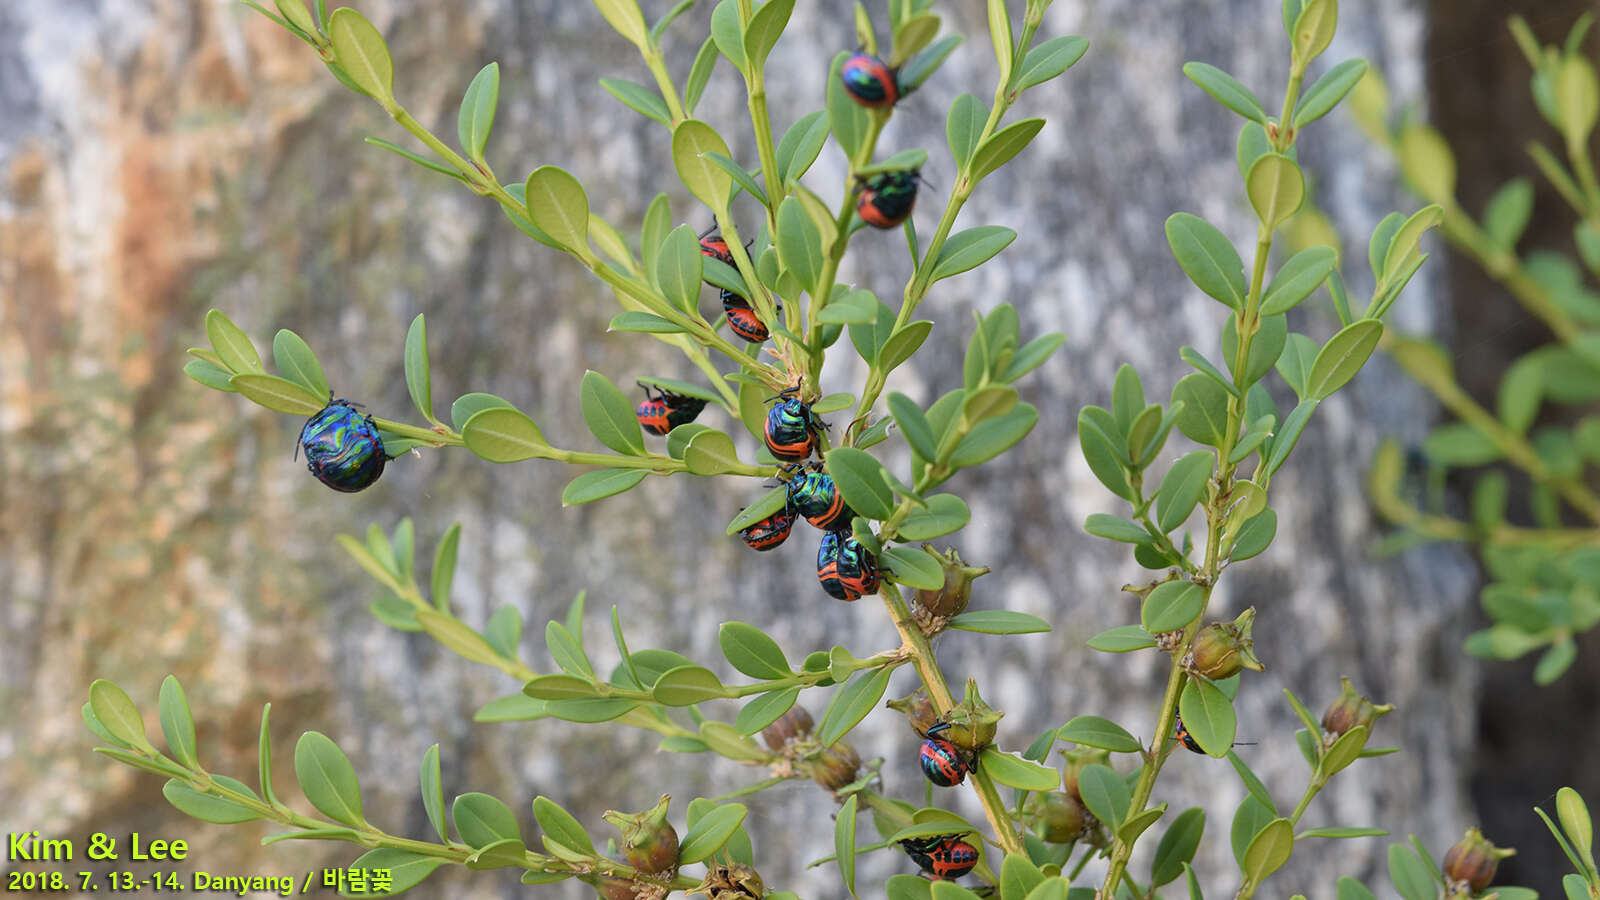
<point>342,446</point>
<point>943,762</point>
<point>665,410</point>
<point>945,856</point>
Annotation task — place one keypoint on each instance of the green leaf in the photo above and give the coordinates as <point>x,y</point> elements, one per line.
<point>563,836</point>
<point>567,650</point>
<point>362,54</point>
<point>1208,715</point>
<point>859,477</point>
<point>1093,731</point>
<point>327,778</point>
<point>1204,416</point>
<point>844,842</point>
<point>115,712</point>
<point>852,702</point>
<point>944,513</point>
<point>710,452</point>
<point>1338,833</point>
<point>800,244</point>
<point>770,502</point>
<point>710,832</point>
<point>177,722</point>
<point>1183,486</point>
<point>917,69</point>
<point>1276,188</point>
<point>765,709</point>
<point>1351,889</point>
<point>642,322</point>
<point>1177,846</point>
<point>1172,605</point>
<point>999,621</point>
<point>416,367</point>
<point>1251,782</point>
<point>1116,528</point>
<point>728,31</point>
<point>743,178</point>
<point>766,26</point>
<point>231,343</point>
<point>1000,33</point>
<point>206,807</point>
<point>1105,793</point>
<point>1106,460</point>
<point>406,869</point>
<point>706,180</point>
<point>969,249</point>
<point>1048,60</point>
<point>700,73</point>
<point>1326,92</point>
<point>913,425</point>
<point>1413,878</point>
<point>963,126</point>
<point>209,374</point>
<point>749,650</point>
<point>645,101</point>
<point>482,820</point>
<point>688,685</point>
<point>1555,662</point>
<point>610,416</point>
<point>560,687</point>
<point>277,394</point>
<point>599,484</point>
<point>1268,850</point>
<point>1208,258</point>
<point>1122,639</point>
<point>432,791</point>
<point>847,119</point>
<point>476,118</point>
<point>993,437</point>
<point>263,756</point>
<point>558,206</point>
<point>901,344</point>
<point>294,359</point>
<point>1014,771</point>
<point>1506,216</point>
<point>679,269</point>
<point>1002,146</point>
<point>1297,279</point>
<point>1342,357</point>
<point>1226,89</point>
<point>1265,350</point>
<point>1346,750</point>
<point>914,567</point>
<point>800,145</point>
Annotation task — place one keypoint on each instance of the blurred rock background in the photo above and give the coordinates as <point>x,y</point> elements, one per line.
<point>159,158</point>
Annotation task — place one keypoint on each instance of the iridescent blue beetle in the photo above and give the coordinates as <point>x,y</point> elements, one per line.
<point>869,82</point>
<point>342,447</point>
<point>791,429</point>
<point>846,569</point>
<point>813,494</point>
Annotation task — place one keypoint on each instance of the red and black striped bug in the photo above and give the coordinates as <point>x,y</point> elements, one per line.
<point>665,410</point>
<point>885,199</point>
<point>1182,734</point>
<point>945,856</point>
<point>712,245</point>
<point>742,320</point>
<point>846,569</point>
<point>942,761</point>
<point>771,531</point>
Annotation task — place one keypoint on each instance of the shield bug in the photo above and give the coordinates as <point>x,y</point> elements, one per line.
<point>664,411</point>
<point>791,429</point>
<point>869,82</point>
<point>885,199</point>
<point>945,856</point>
<point>769,532</point>
<point>846,569</point>
<point>813,494</point>
<point>342,447</point>
<point>941,760</point>
<point>742,320</point>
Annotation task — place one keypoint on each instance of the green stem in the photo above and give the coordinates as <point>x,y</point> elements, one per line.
<point>841,241</point>
<point>657,65</point>
<point>1313,787</point>
<point>445,438</point>
<point>762,122</point>
<point>916,645</point>
<point>1578,154</point>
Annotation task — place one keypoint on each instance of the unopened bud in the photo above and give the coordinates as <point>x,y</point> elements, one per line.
<point>836,766</point>
<point>1078,760</point>
<point>1472,861</point>
<point>972,722</point>
<point>610,887</point>
<point>917,709</point>
<point>648,839</point>
<point>1350,710</point>
<point>952,598</point>
<point>1062,817</point>
<point>1222,649</point>
<point>793,725</point>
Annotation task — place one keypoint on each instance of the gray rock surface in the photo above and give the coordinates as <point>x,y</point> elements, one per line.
<point>160,158</point>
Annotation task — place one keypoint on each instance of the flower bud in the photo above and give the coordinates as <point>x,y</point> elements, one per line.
<point>648,839</point>
<point>918,710</point>
<point>836,766</point>
<point>793,725</point>
<point>1062,817</point>
<point>610,887</point>
<point>1472,861</point>
<point>735,882</point>
<point>972,722</point>
<point>1350,710</point>
<point>1222,649</point>
<point>952,598</point>
<point>1078,760</point>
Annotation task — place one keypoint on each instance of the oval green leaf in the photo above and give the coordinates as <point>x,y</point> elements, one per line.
<point>599,484</point>
<point>1342,357</point>
<point>1171,606</point>
<point>1014,771</point>
<point>1276,188</point>
<point>1093,731</point>
<point>999,621</point>
<point>503,434</point>
<point>327,778</point>
<point>749,650</point>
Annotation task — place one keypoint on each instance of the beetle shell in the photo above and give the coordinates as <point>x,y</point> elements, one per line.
<point>714,246</point>
<point>885,200</point>
<point>946,856</point>
<point>942,762</point>
<point>342,447</point>
<point>814,495</point>
<point>869,82</point>
<point>790,431</point>
<point>665,410</point>
<point>846,569</point>
<point>742,320</point>
<point>769,532</point>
